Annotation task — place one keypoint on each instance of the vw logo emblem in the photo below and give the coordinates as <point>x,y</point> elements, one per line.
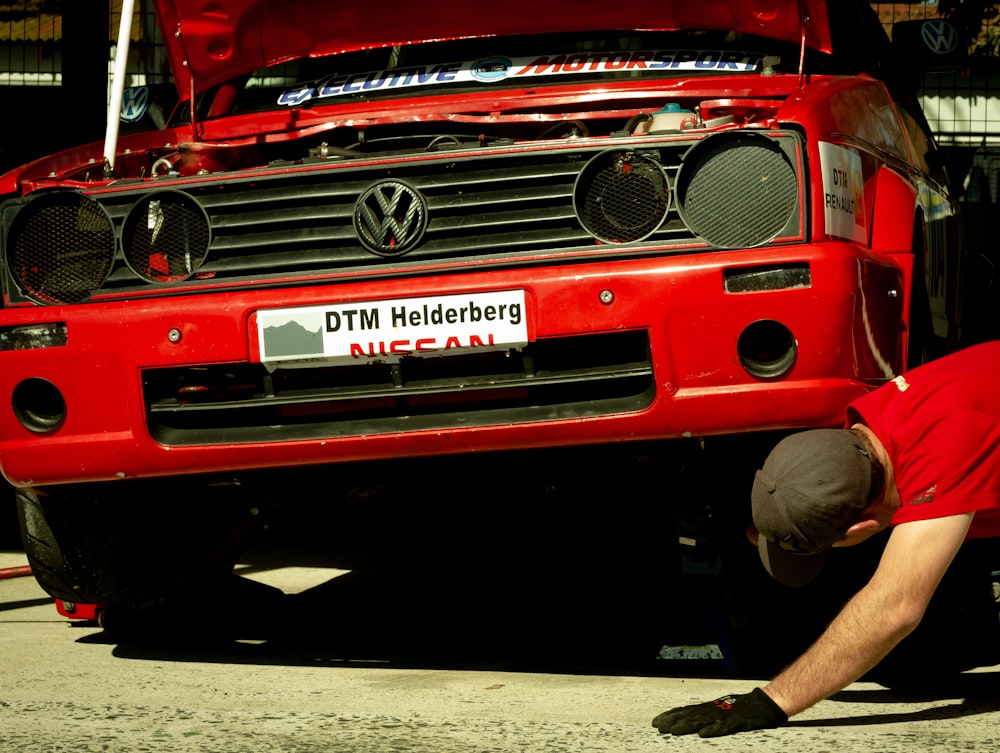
<point>390,217</point>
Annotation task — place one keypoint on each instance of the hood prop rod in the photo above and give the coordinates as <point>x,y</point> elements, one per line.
<point>803,20</point>
<point>117,87</point>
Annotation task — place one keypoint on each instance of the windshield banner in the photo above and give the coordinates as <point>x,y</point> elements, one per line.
<point>499,68</point>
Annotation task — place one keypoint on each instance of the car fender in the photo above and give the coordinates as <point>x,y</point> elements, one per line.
<point>896,202</point>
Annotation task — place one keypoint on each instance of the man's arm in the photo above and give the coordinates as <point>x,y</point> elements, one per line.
<point>884,612</point>
<point>879,616</point>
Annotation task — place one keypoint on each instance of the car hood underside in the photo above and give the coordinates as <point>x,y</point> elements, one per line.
<point>211,42</point>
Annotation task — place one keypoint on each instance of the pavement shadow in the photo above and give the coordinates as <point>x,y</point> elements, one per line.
<point>976,693</point>
<point>430,616</point>
<point>11,606</point>
<point>561,557</point>
<point>565,561</point>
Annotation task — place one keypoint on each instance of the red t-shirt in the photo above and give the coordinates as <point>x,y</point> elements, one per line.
<point>940,424</point>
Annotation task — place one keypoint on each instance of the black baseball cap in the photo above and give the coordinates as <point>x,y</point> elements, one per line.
<point>814,485</point>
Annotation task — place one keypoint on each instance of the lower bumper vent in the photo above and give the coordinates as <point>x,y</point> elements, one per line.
<point>564,378</point>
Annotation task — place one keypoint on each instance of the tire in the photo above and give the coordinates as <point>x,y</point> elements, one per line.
<point>131,543</point>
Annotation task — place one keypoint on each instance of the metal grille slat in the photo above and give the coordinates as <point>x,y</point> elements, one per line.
<point>267,218</point>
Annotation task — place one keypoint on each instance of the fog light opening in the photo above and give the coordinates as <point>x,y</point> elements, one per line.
<point>39,406</point>
<point>767,349</point>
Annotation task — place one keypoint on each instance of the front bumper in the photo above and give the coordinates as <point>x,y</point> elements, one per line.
<point>119,365</point>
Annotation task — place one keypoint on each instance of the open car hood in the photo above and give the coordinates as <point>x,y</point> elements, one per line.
<point>211,41</point>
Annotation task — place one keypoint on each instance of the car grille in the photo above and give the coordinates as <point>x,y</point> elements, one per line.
<point>302,223</point>
<point>564,378</point>
<point>368,217</point>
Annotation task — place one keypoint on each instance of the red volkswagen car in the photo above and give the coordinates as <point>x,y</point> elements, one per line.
<point>400,231</point>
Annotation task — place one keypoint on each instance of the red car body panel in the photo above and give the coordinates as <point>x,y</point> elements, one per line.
<point>848,324</point>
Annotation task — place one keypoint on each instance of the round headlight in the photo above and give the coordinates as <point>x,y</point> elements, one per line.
<point>165,237</point>
<point>61,247</point>
<point>621,196</point>
<point>737,190</point>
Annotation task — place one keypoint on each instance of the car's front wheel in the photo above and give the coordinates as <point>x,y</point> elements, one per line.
<point>133,542</point>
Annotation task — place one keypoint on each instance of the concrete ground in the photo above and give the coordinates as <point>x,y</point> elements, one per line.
<point>72,687</point>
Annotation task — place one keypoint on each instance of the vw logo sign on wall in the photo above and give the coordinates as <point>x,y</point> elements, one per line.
<point>940,37</point>
<point>135,102</point>
<point>390,217</point>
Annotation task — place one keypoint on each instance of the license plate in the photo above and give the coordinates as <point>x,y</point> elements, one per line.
<point>386,331</point>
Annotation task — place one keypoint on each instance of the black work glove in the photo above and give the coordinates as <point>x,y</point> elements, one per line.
<point>723,716</point>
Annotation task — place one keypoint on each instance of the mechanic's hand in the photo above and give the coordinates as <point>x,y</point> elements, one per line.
<point>723,716</point>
